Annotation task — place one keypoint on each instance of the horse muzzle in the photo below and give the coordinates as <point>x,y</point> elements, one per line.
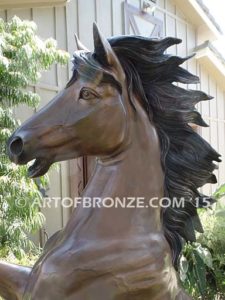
<point>16,150</point>
<point>20,153</point>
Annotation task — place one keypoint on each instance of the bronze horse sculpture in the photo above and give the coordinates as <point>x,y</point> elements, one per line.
<point>122,106</point>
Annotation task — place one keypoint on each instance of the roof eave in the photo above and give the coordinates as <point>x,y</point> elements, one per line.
<point>197,13</point>
<point>8,4</point>
<point>211,61</point>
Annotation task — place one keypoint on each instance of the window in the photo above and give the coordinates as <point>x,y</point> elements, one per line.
<point>141,23</point>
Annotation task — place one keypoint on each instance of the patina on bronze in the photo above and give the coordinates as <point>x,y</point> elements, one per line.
<point>121,106</point>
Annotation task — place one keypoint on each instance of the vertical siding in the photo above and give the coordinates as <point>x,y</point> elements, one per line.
<point>117,17</point>
<point>104,16</point>
<point>72,25</point>
<point>86,17</point>
<point>45,19</point>
<point>221,130</point>
<point>161,16</point>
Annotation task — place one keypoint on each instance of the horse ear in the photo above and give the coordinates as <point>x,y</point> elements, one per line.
<point>104,52</point>
<point>80,46</point>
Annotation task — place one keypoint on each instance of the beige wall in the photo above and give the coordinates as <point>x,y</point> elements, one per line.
<point>78,16</point>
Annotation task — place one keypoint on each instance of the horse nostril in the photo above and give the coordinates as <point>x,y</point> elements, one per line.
<point>16,146</point>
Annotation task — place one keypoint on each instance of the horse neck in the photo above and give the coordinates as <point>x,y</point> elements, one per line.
<point>134,172</point>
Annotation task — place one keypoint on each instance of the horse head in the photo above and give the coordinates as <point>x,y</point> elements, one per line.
<point>87,118</point>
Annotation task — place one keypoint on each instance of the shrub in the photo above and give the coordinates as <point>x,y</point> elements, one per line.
<point>202,265</point>
<point>23,56</point>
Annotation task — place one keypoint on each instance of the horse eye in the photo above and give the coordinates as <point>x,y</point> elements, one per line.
<point>86,94</point>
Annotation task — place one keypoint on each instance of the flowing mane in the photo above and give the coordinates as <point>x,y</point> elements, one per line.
<point>187,159</point>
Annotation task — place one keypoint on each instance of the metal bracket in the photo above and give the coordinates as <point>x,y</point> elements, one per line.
<point>148,5</point>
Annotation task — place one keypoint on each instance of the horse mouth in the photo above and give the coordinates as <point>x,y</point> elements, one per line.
<point>38,168</point>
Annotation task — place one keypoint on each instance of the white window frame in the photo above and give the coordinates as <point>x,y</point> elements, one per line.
<point>131,11</point>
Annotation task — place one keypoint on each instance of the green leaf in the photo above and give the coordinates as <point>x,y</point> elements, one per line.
<point>183,268</point>
<point>220,213</point>
<point>220,192</point>
<point>199,272</point>
<point>205,255</point>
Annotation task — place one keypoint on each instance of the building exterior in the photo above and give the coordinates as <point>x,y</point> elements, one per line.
<point>189,20</point>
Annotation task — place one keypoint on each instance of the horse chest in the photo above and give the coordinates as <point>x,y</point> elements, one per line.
<point>98,270</point>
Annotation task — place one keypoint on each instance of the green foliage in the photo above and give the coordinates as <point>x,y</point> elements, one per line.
<point>194,265</point>
<point>23,56</point>
<point>27,260</point>
<point>202,265</point>
<point>220,192</point>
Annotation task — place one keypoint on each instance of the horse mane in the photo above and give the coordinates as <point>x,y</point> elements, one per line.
<point>187,159</point>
